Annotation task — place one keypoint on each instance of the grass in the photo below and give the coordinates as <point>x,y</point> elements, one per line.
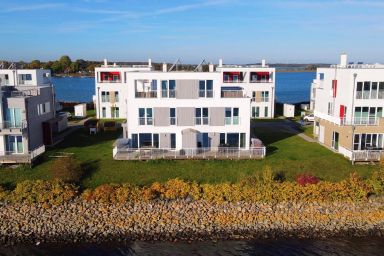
<point>287,154</point>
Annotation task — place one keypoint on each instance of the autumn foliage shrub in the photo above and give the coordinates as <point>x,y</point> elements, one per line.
<point>40,191</point>
<point>305,178</point>
<point>66,169</point>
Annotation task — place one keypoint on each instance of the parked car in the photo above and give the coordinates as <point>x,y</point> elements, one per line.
<point>309,118</point>
<point>68,114</point>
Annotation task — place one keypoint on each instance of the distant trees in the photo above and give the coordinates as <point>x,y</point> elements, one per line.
<point>35,64</point>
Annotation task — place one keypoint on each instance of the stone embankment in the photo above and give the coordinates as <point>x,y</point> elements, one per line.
<point>82,221</point>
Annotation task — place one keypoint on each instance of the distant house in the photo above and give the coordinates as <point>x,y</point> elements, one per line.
<point>26,102</point>
<point>348,102</point>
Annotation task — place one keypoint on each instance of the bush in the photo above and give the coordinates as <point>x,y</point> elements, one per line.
<point>66,169</point>
<point>304,179</point>
<point>39,191</point>
<point>3,194</point>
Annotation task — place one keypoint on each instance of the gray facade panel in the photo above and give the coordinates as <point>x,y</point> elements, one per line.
<point>217,116</point>
<point>185,116</point>
<point>187,89</point>
<point>161,116</point>
<point>165,140</point>
<point>214,139</point>
<point>189,138</point>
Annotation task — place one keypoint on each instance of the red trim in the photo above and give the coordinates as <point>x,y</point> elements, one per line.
<point>262,73</point>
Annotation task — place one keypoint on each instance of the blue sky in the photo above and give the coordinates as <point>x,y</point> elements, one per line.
<point>239,31</point>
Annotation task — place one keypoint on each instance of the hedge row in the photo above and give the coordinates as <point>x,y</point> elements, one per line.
<point>263,188</point>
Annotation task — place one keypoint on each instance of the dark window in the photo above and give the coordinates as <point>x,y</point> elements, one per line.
<point>173,140</point>
<point>135,141</point>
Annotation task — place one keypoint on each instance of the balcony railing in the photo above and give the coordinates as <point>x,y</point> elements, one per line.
<point>367,155</point>
<point>27,157</point>
<point>260,80</point>
<point>168,93</point>
<point>150,94</point>
<point>233,81</point>
<point>172,120</point>
<point>367,121</point>
<point>261,99</point>
<point>126,153</point>
<point>235,120</point>
<point>13,125</point>
<point>232,94</point>
<point>206,93</point>
<point>145,120</point>
<point>110,81</point>
<point>202,121</point>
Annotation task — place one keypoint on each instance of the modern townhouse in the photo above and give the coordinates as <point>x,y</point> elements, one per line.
<point>26,102</point>
<point>348,101</point>
<point>180,114</point>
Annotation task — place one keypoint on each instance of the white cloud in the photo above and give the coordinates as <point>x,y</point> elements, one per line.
<point>32,7</point>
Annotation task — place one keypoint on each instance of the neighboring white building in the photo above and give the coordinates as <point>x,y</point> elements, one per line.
<point>185,110</point>
<point>26,114</point>
<point>348,101</point>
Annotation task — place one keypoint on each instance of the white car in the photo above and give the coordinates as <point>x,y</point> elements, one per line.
<point>309,118</point>
<point>68,114</point>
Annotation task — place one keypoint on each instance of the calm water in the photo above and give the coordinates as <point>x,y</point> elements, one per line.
<point>291,87</point>
<point>319,247</point>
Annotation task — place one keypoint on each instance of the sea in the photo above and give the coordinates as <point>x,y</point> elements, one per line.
<point>284,247</point>
<point>291,87</point>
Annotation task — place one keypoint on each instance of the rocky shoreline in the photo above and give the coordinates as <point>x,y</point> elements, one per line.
<point>82,221</point>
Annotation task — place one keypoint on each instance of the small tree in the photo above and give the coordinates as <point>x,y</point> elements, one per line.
<point>66,169</point>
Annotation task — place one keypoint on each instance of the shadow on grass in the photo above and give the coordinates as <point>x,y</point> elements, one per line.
<point>89,167</point>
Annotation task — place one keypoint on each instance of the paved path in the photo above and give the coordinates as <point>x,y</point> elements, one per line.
<point>284,125</point>
<point>72,127</point>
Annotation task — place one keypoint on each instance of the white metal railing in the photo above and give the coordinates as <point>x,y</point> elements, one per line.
<point>233,120</point>
<point>260,81</point>
<point>233,81</point>
<point>23,93</point>
<point>126,153</point>
<point>25,157</point>
<point>168,93</point>
<point>13,125</point>
<point>360,121</point>
<point>37,151</point>
<point>367,155</point>
<point>205,93</point>
<point>109,81</point>
<point>150,94</point>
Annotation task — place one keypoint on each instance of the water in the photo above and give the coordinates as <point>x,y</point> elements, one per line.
<point>74,88</point>
<point>319,247</point>
<point>291,87</point>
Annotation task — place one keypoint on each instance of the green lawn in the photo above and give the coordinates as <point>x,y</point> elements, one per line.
<point>286,154</point>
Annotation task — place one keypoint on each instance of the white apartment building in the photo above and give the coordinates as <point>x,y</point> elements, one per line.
<point>348,101</point>
<point>185,112</point>
<point>26,103</point>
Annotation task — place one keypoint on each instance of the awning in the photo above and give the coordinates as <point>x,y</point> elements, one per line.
<point>232,88</point>
<point>262,73</point>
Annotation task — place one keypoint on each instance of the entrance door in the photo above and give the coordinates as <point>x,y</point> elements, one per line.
<point>321,134</point>
<point>335,140</point>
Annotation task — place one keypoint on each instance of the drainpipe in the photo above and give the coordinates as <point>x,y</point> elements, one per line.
<point>352,112</point>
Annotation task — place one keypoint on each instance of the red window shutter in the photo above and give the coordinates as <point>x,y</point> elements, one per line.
<point>342,111</point>
<point>334,88</point>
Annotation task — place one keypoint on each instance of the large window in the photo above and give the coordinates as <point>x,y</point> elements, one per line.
<point>168,88</point>
<point>266,112</point>
<point>145,140</point>
<point>173,140</point>
<point>115,111</point>
<point>265,96</point>
<point>104,112</point>
<point>145,116</point>
<point>367,141</point>
<point>231,116</point>
<point>335,140</point>
<point>367,115</point>
<point>236,140</point>
<point>43,108</point>
<point>172,116</point>
<point>14,144</point>
<point>255,112</point>
<point>104,96</point>
<point>201,116</point>
<point>370,90</point>
<point>206,88</point>
<point>13,118</point>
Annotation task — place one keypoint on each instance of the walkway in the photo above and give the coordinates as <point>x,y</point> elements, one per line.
<point>72,127</point>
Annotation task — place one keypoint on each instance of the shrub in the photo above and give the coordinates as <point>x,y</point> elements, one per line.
<point>39,191</point>
<point>3,194</point>
<point>304,179</point>
<point>66,169</point>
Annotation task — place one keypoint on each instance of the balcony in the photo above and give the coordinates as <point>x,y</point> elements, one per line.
<point>110,81</point>
<point>12,127</point>
<point>232,94</point>
<point>261,81</point>
<point>360,121</point>
<point>260,77</point>
<point>150,94</point>
<point>205,93</point>
<point>8,157</point>
<point>126,153</point>
<point>367,155</point>
<point>233,77</point>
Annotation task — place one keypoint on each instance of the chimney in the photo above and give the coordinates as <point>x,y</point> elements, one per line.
<point>343,60</point>
<point>149,63</point>
<point>263,63</point>
<point>210,66</point>
<point>105,63</point>
<point>114,64</point>
<point>164,67</point>
<point>220,63</point>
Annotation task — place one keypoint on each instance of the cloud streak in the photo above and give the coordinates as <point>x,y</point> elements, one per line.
<point>32,7</point>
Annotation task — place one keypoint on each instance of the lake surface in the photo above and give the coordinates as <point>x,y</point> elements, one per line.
<point>335,246</point>
<point>291,87</point>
